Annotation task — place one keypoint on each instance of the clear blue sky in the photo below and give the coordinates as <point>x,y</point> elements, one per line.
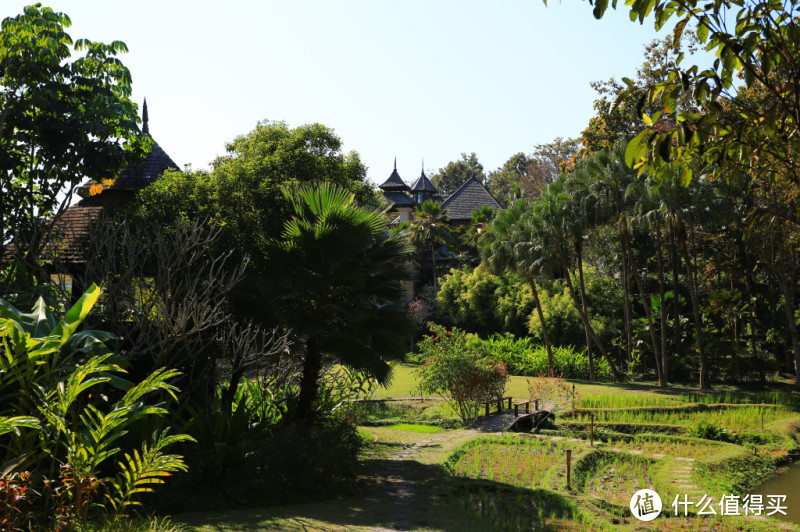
<point>412,79</point>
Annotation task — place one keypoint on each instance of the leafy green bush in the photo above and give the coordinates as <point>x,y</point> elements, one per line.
<point>564,325</point>
<point>525,357</point>
<point>483,303</point>
<point>64,409</point>
<point>708,430</point>
<point>462,372</point>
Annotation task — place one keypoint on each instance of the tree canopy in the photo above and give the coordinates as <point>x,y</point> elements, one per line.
<point>62,119</point>
<point>756,44</point>
<point>243,190</point>
<point>448,179</point>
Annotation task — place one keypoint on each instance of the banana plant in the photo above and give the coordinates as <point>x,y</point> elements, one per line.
<point>55,416</point>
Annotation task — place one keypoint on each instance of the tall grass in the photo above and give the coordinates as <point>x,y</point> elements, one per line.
<point>648,399</point>
<point>627,400</point>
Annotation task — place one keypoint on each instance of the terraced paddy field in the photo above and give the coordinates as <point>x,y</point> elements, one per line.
<point>423,470</point>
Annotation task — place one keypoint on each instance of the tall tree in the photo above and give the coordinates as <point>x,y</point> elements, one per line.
<point>429,228</point>
<point>618,187</point>
<point>62,119</point>
<point>554,212</point>
<point>342,271</point>
<point>547,162</point>
<point>456,173</point>
<point>504,183</point>
<point>512,242</point>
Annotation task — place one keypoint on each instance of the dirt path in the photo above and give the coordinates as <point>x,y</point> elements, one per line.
<point>405,488</point>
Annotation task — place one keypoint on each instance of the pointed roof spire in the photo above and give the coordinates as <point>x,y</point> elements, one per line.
<point>394,183</point>
<point>423,184</point>
<point>145,119</point>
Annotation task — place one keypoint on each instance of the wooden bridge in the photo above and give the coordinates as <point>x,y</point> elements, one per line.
<point>508,418</point>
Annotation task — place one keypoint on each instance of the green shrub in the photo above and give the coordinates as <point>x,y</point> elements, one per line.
<point>525,357</point>
<point>483,303</point>
<point>462,371</point>
<point>708,430</point>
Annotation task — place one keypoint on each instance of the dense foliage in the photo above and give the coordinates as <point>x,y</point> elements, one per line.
<point>524,356</point>
<point>67,418</point>
<point>63,119</point>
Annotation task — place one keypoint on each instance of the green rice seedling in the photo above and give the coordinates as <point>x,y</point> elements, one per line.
<point>627,400</point>
<point>731,417</point>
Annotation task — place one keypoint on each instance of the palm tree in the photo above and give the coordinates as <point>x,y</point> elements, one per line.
<point>553,209</point>
<point>619,189</point>
<point>429,227</point>
<point>609,199</point>
<point>342,286</point>
<point>577,184</point>
<point>511,242</point>
<point>685,207</point>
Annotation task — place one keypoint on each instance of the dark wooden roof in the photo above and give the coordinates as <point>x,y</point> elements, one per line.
<point>74,224</point>
<point>394,183</point>
<point>469,196</point>
<point>398,199</point>
<point>423,184</point>
<point>139,174</point>
<point>64,241</point>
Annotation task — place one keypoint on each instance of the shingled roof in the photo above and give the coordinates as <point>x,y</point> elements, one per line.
<point>72,226</point>
<point>469,196</point>
<point>398,199</point>
<point>394,183</point>
<point>423,184</point>
<point>140,173</point>
<point>65,239</point>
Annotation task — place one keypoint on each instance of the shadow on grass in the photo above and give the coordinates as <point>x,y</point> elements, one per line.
<point>403,495</point>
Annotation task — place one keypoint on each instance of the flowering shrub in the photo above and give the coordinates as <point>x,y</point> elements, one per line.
<point>554,393</point>
<point>462,372</point>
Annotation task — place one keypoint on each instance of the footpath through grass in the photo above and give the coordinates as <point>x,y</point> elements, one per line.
<point>423,471</point>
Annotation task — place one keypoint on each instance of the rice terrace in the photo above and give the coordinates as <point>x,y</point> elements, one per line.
<point>598,330</point>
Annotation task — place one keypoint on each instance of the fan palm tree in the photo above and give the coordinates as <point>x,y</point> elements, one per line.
<point>511,242</point>
<point>342,286</point>
<point>685,206</point>
<point>429,227</point>
<point>609,198</point>
<point>553,209</point>
<point>583,219</point>
<point>618,189</point>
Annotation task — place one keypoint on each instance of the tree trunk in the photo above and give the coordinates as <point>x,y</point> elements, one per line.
<point>312,367</point>
<point>698,324</point>
<point>550,369</point>
<point>662,381</point>
<point>663,331</point>
<point>579,255</point>
<point>626,305</point>
<point>787,287</point>
<point>676,288</point>
<point>433,266</point>
<point>585,319</point>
